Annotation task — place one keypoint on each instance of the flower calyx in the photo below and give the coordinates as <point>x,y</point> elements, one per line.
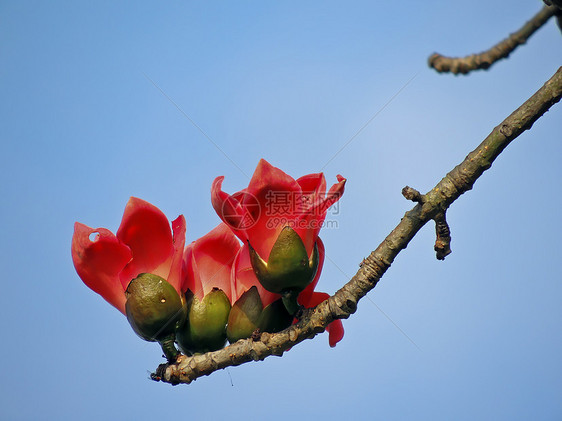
<point>205,327</point>
<point>155,310</point>
<point>288,270</point>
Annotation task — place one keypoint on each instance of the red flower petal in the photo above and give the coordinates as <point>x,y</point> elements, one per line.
<point>313,220</point>
<point>229,208</point>
<point>175,273</point>
<point>146,230</point>
<point>210,260</point>
<point>335,329</point>
<point>334,194</point>
<point>99,262</point>
<point>276,193</point>
<point>335,332</point>
<point>313,185</point>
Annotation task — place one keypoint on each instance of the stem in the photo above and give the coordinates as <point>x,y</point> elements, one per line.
<point>169,348</point>
<point>290,301</point>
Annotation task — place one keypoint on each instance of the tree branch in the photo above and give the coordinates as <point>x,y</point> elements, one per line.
<point>504,48</point>
<point>343,303</point>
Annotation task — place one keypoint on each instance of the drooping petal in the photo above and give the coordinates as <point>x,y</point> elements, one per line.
<point>335,332</point>
<point>146,230</point>
<point>245,278</point>
<point>98,262</point>
<point>210,262</point>
<point>335,329</point>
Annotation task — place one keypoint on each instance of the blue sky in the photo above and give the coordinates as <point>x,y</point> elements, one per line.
<point>94,105</point>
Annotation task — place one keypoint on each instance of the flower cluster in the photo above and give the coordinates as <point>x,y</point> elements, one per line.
<point>246,274</point>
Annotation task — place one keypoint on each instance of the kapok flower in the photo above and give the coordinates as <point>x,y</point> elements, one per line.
<point>145,251</point>
<point>280,219</point>
<point>208,286</point>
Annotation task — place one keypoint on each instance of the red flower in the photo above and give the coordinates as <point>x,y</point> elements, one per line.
<point>144,244</point>
<point>258,214</point>
<point>274,200</point>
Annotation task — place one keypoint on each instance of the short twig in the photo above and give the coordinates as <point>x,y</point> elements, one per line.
<point>412,194</point>
<point>484,60</point>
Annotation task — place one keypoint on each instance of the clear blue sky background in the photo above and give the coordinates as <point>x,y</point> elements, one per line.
<point>83,128</point>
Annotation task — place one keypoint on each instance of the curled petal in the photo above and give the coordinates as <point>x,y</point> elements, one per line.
<point>334,194</point>
<point>146,230</point>
<point>98,262</point>
<point>312,220</point>
<point>335,332</point>
<point>229,208</point>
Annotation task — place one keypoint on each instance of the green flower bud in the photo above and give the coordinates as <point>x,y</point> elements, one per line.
<point>205,328</point>
<point>244,316</point>
<point>288,270</point>
<point>275,317</point>
<point>154,310</point>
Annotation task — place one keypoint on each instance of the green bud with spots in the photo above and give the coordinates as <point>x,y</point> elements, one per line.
<point>205,328</point>
<point>155,310</point>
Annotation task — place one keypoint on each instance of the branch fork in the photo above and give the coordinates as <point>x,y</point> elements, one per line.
<point>443,242</point>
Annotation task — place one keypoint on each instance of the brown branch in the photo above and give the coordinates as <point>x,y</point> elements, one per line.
<point>484,60</point>
<point>443,242</point>
<point>344,302</point>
